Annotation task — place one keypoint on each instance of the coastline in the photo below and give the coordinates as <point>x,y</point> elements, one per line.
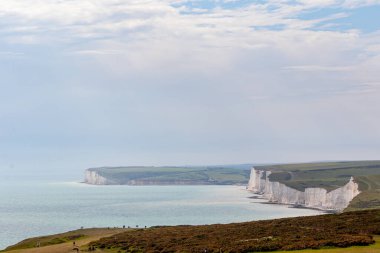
<point>268,202</point>
<point>323,211</point>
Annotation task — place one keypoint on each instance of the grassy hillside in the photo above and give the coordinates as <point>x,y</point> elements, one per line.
<point>343,230</point>
<point>224,175</point>
<point>332,233</point>
<point>62,242</point>
<point>332,175</point>
<point>370,193</point>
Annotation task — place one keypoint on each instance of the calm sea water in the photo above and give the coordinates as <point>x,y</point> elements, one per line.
<point>30,209</point>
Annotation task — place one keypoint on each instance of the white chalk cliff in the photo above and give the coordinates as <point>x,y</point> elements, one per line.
<point>320,198</point>
<point>93,177</point>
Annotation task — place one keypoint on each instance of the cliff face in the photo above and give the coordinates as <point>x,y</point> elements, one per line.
<point>93,177</point>
<point>320,198</point>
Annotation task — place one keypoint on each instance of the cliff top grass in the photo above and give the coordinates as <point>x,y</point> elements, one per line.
<point>224,175</point>
<point>326,175</point>
<point>321,165</point>
<point>369,198</point>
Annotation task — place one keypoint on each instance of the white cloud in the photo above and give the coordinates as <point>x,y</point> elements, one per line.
<point>319,68</point>
<point>359,3</point>
<point>161,78</point>
<point>85,18</point>
<point>10,53</point>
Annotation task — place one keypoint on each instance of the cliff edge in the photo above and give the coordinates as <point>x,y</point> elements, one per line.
<point>320,198</point>
<point>93,177</point>
<point>335,186</point>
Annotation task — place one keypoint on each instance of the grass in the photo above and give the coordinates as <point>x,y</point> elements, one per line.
<point>368,182</point>
<point>314,232</point>
<point>320,166</point>
<point>66,239</point>
<point>337,174</point>
<point>374,248</point>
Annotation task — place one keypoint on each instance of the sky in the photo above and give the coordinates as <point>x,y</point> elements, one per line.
<point>90,83</point>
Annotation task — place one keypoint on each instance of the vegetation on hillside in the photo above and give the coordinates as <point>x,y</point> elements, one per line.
<point>62,238</point>
<point>374,248</point>
<point>370,193</point>
<point>334,230</point>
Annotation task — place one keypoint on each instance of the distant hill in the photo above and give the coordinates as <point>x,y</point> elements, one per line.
<point>149,175</point>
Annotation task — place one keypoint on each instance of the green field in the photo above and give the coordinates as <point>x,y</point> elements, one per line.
<point>220,175</point>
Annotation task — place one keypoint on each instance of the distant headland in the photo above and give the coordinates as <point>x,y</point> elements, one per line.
<point>332,186</point>
<point>149,175</point>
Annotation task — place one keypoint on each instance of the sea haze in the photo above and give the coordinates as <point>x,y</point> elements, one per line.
<point>30,209</point>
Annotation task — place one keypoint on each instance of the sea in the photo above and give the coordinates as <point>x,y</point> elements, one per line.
<point>35,208</point>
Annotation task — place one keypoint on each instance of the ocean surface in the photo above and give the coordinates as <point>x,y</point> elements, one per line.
<point>30,209</point>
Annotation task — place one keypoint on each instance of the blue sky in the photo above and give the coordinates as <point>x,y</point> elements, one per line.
<point>161,82</point>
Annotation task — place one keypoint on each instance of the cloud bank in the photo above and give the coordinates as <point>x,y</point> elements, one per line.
<point>88,83</point>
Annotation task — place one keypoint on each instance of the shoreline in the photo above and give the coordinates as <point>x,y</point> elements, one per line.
<point>323,211</point>
<point>268,202</point>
